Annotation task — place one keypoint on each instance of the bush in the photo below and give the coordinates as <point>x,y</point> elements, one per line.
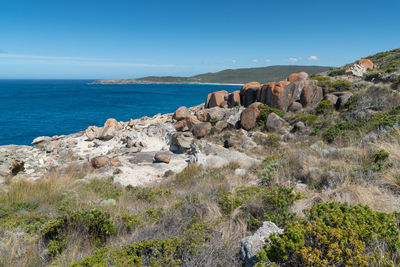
<point>337,72</point>
<point>339,86</point>
<point>325,107</point>
<point>95,223</point>
<point>170,251</point>
<point>335,234</point>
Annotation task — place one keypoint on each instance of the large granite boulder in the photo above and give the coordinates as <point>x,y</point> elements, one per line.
<point>311,93</point>
<point>201,129</point>
<point>109,130</point>
<point>294,77</point>
<point>249,117</point>
<point>274,122</point>
<point>234,99</point>
<point>274,95</point>
<point>367,64</point>
<point>251,245</point>
<point>248,93</point>
<point>181,113</point>
<point>216,99</point>
<point>93,132</point>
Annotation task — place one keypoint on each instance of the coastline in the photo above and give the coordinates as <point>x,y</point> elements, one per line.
<point>112,82</point>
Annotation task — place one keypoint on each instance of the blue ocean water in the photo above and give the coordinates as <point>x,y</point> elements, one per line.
<point>32,108</point>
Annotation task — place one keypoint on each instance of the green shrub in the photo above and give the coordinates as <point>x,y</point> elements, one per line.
<point>339,86</point>
<point>308,119</point>
<point>335,234</point>
<point>146,193</point>
<point>170,251</point>
<point>325,107</point>
<point>272,140</point>
<point>378,162</point>
<point>106,189</point>
<point>322,81</point>
<point>95,223</point>
<point>213,121</point>
<point>337,72</point>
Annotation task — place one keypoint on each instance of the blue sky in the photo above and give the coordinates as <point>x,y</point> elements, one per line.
<point>128,39</point>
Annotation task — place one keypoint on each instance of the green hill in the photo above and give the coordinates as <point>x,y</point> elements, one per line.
<point>243,75</point>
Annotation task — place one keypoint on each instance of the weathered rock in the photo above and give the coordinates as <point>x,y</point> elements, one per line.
<point>72,142</point>
<point>181,113</point>
<point>356,70</point>
<point>52,146</point>
<point>40,139</point>
<point>162,157</point>
<point>234,99</point>
<point>248,118</point>
<point>331,97</point>
<point>220,126</point>
<point>109,130</point>
<point>191,121</point>
<point>181,141</point>
<point>274,122</point>
<point>216,113</point>
<point>100,161</point>
<point>297,76</point>
<point>92,132</point>
<point>343,99</point>
<point>311,93</point>
<point>9,165</point>
<point>366,63</point>
<point>131,123</point>
<point>201,129</point>
<point>234,120</point>
<point>203,115</point>
<point>180,126</point>
<point>215,99</point>
<point>275,95</point>
<point>255,105</point>
<point>295,107</point>
<point>251,245</point>
<point>223,104</point>
<point>299,127</point>
<point>248,93</point>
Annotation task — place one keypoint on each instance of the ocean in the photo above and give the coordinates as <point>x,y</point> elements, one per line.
<point>32,108</point>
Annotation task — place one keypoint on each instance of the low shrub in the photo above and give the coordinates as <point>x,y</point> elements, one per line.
<point>95,223</point>
<point>325,107</point>
<point>336,234</point>
<point>337,72</point>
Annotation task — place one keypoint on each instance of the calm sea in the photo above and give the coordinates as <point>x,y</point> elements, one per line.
<point>31,108</point>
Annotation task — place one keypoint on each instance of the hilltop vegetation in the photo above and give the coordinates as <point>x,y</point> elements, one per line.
<point>234,76</point>
<point>327,174</point>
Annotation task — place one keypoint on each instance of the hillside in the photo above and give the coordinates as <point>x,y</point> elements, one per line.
<point>297,173</point>
<point>230,76</point>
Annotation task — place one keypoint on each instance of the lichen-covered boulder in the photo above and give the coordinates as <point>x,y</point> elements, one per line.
<point>100,161</point>
<point>181,113</point>
<point>274,95</point>
<point>215,99</point>
<point>366,63</point>
<point>248,118</point>
<point>248,93</point>
<point>274,122</point>
<point>201,129</point>
<point>297,76</point>
<point>109,130</point>
<point>234,99</point>
<point>311,92</point>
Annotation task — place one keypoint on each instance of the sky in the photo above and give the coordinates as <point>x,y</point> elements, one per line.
<point>106,39</point>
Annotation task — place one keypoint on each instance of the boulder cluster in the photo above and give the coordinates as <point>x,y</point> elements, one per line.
<point>294,94</point>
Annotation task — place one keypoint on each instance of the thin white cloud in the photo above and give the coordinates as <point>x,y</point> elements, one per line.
<point>254,60</point>
<point>313,58</point>
<point>268,60</point>
<point>293,59</point>
<point>233,61</point>
<point>57,60</point>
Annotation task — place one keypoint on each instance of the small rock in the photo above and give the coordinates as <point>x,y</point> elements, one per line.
<point>72,142</point>
<point>331,97</point>
<point>109,130</point>
<point>203,115</point>
<point>100,161</point>
<point>162,157</point>
<point>52,146</point>
<point>40,139</point>
<point>274,122</point>
<point>92,132</point>
<point>295,107</point>
<point>342,100</point>
<point>201,129</point>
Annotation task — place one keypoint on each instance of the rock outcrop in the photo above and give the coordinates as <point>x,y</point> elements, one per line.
<point>216,99</point>
<point>249,117</point>
<point>251,245</point>
<point>248,93</point>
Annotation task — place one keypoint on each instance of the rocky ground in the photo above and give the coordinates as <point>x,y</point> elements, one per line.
<point>223,175</point>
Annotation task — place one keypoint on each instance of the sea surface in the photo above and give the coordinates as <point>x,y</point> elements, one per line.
<point>32,108</point>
